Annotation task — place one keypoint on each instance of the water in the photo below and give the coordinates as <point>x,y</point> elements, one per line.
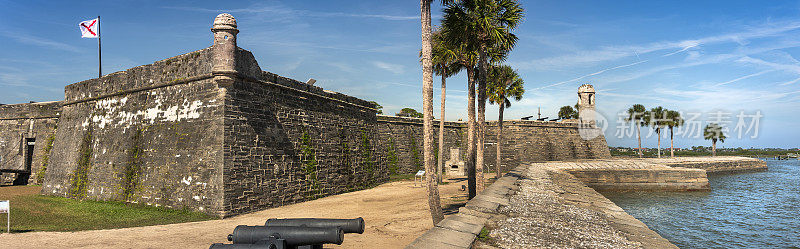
<point>744,210</point>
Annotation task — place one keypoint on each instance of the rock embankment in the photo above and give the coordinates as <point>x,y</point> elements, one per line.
<point>554,204</point>
<point>553,209</point>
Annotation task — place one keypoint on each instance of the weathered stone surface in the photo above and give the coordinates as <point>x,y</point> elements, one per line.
<point>154,134</point>
<point>21,125</point>
<point>524,141</point>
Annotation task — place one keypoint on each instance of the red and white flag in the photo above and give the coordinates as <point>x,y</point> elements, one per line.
<point>89,28</point>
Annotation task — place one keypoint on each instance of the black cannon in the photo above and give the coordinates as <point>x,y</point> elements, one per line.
<point>293,236</point>
<point>265,245</point>
<point>348,225</point>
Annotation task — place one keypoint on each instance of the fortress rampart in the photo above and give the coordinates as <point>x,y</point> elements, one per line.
<point>24,126</point>
<point>523,141</point>
<point>210,131</point>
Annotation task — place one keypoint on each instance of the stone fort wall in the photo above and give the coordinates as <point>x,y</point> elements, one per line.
<point>27,134</point>
<point>287,141</point>
<point>151,134</point>
<point>523,141</point>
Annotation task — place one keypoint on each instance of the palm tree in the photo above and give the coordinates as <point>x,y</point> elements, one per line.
<point>656,118</point>
<point>434,202</point>
<point>445,64</point>
<point>636,115</point>
<point>714,133</point>
<point>674,119</point>
<point>485,26</point>
<point>567,112</point>
<point>504,83</point>
<point>466,59</point>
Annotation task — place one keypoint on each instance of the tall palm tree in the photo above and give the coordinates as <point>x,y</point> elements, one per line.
<point>636,115</point>
<point>485,26</point>
<point>434,202</point>
<point>445,64</point>
<point>504,83</point>
<point>465,59</point>
<point>714,133</point>
<point>674,119</point>
<point>656,118</point>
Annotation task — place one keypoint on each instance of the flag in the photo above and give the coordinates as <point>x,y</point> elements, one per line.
<point>90,28</point>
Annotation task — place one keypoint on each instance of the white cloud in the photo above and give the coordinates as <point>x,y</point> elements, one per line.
<point>744,77</point>
<point>612,53</point>
<point>277,8</point>
<point>38,41</point>
<point>394,68</point>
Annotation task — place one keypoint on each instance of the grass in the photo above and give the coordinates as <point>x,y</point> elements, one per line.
<point>33,212</point>
<point>484,235</point>
<point>401,177</point>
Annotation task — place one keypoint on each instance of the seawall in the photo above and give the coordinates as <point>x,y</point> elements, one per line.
<point>713,165</point>
<point>536,207</point>
<point>556,205</point>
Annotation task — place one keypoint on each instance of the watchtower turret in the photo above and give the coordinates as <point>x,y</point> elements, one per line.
<point>586,103</point>
<point>224,49</point>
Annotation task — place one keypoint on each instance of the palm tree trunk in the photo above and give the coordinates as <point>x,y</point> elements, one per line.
<point>658,133</point>
<point>497,167</point>
<point>442,149</point>
<point>471,181</point>
<point>479,165</point>
<point>427,108</point>
<point>639,137</point>
<point>713,148</point>
<point>671,144</point>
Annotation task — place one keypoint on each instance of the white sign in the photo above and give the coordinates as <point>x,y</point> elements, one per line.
<point>4,207</point>
<point>420,173</point>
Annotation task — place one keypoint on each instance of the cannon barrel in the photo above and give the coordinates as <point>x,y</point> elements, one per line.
<point>239,246</point>
<point>294,236</point>
<point>348,225</point>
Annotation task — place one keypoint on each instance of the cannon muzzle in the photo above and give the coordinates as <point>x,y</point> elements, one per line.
<point>294,236</point>
<point>348,225</point>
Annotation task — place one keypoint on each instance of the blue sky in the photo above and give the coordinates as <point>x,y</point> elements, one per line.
<point>699,57</point>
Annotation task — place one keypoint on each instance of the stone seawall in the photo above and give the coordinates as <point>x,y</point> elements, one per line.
<point>556,204</point>
<point>536,207</point>
<point>668,179</point>
<point>25,140</point>
<point>713,165</point>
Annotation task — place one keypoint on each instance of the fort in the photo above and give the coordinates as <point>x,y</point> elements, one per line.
<point>210,131</point>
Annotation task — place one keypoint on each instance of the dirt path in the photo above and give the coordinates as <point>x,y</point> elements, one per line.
<point>395,214</point>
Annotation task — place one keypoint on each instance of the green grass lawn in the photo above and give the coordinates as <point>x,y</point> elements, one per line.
<point>33,212</point>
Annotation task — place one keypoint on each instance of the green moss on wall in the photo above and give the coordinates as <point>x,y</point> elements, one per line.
<point>391,157</point>
<point>367,162</point>
<point>130,180</point>
<point>45,158</point>
<point>310,165</point>
<point>79,179</point>
<point>416,160</point>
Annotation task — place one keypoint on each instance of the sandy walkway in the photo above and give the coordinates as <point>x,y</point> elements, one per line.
<point>395,214</point>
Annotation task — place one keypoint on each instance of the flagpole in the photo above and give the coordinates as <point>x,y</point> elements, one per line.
<point>99,54</point>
